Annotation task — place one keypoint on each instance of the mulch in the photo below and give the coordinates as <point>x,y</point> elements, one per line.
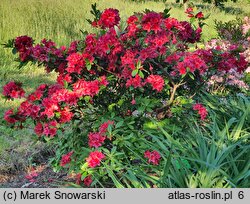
<point>44,177</point>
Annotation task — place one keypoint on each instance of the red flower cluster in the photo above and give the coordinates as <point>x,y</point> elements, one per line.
<point>153,157</point>
<point>13,90</point>
<point>96,139</point>
<point>66,158</point>
<point>156,81</point>
<point>109,18</point>
<point>202,111</point>
<point>134,81</point>
<point>86,88</point>
<point>151,22</point>
<point>199,15</point>
<point>87,181</point>
<point>103,128</point>
<point>190,12</point>
<point>23,44</point>
<point>188,34</point>
<point>94,159</point>
<point>191,62</point>
<point>9,116</point>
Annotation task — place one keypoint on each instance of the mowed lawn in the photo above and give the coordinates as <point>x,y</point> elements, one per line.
<point>62,21</point>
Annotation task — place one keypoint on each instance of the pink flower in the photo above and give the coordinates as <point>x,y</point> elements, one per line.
<point>156,81</point>
<point>153,157</point>
<point>95,158</point>
<point>66,158</point>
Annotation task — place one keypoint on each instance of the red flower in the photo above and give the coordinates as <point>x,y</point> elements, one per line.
<point>135,82</point>
<point>94,24</point>
<point>132,19</point>
<point>103,81</point>
<point>95,158</point>
<point>153,157</point>
<point>190,12</point>
<point>151,21</point>
<point>103,128</point>
<point>109,18</point>
<point>75,63</point>
<point>87,181</point>
<point>193,62</point>
<point>133,102</point>
<point>66,158</point>
<point>96,139</point>
<point>171,23</point>
<point>65,115</point>
<point>89,88</point>
<point>199,15</point>
<point>78,178</point>
<point>23,42</point>
<point>50,106</point>
<point>202,111</point>
<point>156,81</point>
<point>38,129</point>
<point>9,116</point>
<point>50,128</point>
<point>188,34</point>
<point>13,90</point>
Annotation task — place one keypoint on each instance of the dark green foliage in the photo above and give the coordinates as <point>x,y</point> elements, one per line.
<point>231,30</point>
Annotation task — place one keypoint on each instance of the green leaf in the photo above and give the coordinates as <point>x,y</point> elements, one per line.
<point>134,72</point>
<point>119,124</point>
<point>88,64</point>
<point>141,74</point>
<point>113,177</point>
<point>111,106</point>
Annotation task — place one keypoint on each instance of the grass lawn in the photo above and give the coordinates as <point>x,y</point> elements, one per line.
<point>61,21</point>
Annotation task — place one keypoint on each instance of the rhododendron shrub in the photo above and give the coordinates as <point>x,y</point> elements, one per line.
<point>234,38</point>
<point>110,85</point>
